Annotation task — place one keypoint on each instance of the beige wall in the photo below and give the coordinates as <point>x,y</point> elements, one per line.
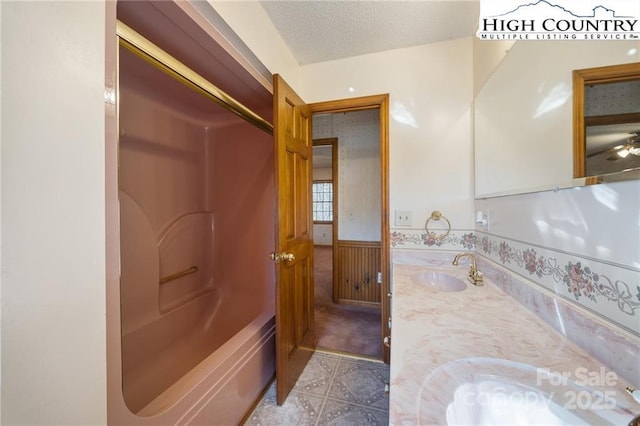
<point>358,171</point>
<point>431,152</point>
<point>430,141</point>
<point>252,24</point>
<point>53,217</point>
<point>486,57</point>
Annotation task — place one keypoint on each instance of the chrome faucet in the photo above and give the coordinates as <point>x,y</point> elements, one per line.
<point>475,276</point>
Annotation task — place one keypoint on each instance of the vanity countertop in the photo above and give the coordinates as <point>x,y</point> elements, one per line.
<point>431,329</point>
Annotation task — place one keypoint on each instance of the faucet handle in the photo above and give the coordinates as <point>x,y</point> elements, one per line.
<point>476,277</point>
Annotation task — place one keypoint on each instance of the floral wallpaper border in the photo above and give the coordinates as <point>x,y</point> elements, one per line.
<point>419,239</point>
<point>608,290</point>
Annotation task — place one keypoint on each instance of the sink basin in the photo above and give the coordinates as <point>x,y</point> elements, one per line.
<point>491,391</point>
<point>440,281</point>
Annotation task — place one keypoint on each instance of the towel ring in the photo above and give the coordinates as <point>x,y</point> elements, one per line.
<point>436,215</point>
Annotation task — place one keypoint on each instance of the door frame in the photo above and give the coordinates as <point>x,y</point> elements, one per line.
<point>357,104</point>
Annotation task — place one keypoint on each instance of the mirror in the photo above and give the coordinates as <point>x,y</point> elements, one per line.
<point>606,120</point>
<point>523,115</point>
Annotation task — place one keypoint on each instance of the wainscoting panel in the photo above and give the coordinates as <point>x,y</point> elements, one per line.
<point>357,264</point>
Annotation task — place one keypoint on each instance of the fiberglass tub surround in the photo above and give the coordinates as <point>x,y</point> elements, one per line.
<point>197,214</point>
<point>467,356</point>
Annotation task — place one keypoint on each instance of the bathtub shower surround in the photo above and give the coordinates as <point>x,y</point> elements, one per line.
<point>196,196</point>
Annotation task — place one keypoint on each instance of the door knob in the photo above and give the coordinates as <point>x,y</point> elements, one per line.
<point>387,341</point>
<point>284,257</point>
<point>287,257</point>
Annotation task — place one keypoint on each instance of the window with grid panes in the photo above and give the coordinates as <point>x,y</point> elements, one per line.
<point>322,201</point>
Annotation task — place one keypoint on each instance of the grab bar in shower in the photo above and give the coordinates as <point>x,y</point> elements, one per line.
<point>178,274</point>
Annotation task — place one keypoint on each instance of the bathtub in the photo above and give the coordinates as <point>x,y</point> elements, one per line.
<point>195,194</point>
<point>199,349</point>
<point>218,390</point>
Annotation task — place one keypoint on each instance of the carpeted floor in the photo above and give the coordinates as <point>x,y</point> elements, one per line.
<point>341,327</point>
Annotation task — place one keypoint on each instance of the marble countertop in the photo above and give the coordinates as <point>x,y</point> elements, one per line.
<point>431,329</point>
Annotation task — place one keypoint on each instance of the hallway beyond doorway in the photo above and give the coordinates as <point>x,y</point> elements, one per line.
<point>340,327</point>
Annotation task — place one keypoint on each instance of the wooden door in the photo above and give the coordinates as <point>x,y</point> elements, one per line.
<point>295,337</point>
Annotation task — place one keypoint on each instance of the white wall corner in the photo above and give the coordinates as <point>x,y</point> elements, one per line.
<point>487,55</point>
<point>53,278</point>
<point>252,24</point>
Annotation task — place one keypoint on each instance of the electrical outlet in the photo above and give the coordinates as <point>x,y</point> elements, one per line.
<point>403,218</point>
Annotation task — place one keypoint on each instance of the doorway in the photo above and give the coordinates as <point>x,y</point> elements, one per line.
<point>350,259</point>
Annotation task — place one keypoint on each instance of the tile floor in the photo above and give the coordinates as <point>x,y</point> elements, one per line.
<point>332,390</point>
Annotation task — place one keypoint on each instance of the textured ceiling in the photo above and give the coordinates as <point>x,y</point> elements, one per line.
<point>317,30</point>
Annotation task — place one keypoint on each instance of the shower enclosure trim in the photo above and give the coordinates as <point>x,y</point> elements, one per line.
<point>145,49</point>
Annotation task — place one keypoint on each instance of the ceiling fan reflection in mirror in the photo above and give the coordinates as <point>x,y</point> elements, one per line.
<point>623,150</point>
